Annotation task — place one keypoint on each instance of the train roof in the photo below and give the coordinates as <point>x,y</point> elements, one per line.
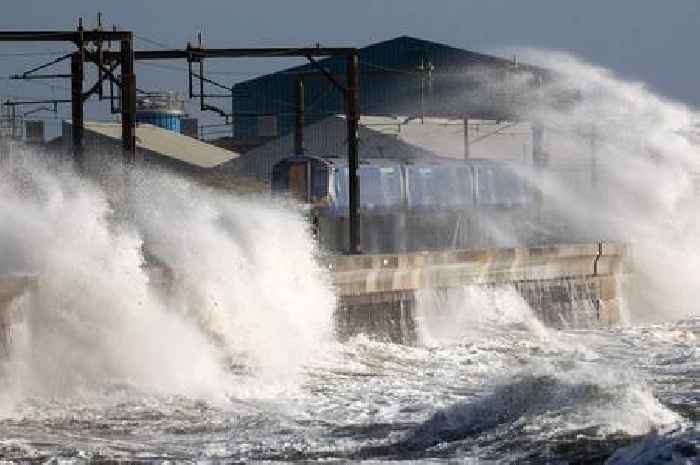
<point>341,162</point>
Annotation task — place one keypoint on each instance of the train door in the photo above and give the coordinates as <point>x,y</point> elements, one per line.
<point>299,181</point>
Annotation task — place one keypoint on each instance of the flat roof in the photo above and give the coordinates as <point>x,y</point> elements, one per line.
<point>169,144</point>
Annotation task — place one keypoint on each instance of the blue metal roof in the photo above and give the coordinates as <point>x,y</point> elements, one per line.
<point>395,55</point>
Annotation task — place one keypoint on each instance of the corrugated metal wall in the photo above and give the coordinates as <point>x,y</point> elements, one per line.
<point>326,137</point>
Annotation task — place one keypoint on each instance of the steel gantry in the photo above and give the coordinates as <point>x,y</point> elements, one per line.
<point>350,91</point>
<point>90,48</point>
<point>83,39</point>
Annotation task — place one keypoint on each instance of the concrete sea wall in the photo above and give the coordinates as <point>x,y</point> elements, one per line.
<point>571,286</point>
<point>12,286</point>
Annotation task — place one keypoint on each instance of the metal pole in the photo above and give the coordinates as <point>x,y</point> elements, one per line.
<point>299,119</point>
<point>201,76</point>
<point>594,158</point>
<point>128,99</point>
<point>14,122</point>
<point>539,156</point>
<point>539,162</point>
<point>76,68</point>
<point>466,137</point>
<point>201,85</point>
<point>422,94</point>
<point>352,115</point>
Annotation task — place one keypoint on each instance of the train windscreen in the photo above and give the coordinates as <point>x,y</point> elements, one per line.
<point>319,183</point>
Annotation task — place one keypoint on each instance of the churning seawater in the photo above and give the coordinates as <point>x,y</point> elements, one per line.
<point>175,322</point>
<point>516,393</point>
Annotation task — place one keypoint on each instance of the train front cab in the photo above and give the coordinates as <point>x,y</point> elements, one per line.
<point>306,179</point>
<point>322,184</point>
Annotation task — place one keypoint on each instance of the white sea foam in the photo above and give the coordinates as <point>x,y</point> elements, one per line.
<point>647,166</point>
<point>245,288</point>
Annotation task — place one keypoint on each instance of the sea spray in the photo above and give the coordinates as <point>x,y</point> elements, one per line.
<point>559,382</point>
<point>95,319</point>
<point>244,268</point>
<point>623,165</point>
<point>471,313</point>
<point>99,319</point>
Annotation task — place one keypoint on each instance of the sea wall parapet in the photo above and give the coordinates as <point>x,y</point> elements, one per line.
<point>565,285</point>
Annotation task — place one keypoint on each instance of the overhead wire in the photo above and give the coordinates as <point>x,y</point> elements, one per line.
<point>151,41</point>
<point>217,72</point>
<point>156,43</point>
<point>161,66</point>
<point>30,54</point>
<point>387,68</point>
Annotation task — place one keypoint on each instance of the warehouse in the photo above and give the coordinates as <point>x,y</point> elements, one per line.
<point>160,148</point>
<point>402,76</point>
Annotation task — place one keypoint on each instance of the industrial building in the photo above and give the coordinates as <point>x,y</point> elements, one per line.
<point>163,149</point>
<point>162,138</point>
<point>402,76</point>
<point>156,145</point>
<point>397,137</point>
<point>418,100</point>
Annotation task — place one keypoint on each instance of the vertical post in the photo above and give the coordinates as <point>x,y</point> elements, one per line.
<point>422,98</point>
<point>466,137</point>
<point>299,119</point>
<point>13,112</point>
<point>128,102</point>
<point>100,61</point>
<point>539,155</point>
<point>353,116</point>
<point>594,159</point>
<point>539,162</point>
<point>426,76</point>
<point>4,123</point>
<point>201,74</point>
<point>202,106</point>
<point>76,71</point>
<point>189,66</point>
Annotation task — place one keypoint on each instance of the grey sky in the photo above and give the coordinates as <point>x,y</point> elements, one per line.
<point>647,40</point>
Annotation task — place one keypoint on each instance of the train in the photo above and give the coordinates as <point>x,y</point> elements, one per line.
<point>412,206</point>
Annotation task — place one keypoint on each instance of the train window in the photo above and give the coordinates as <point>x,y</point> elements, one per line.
<point>499,186</point>
<point>319,183</point>
<point>461,192</point>
<point>380,187</point>
<point>439,187</point>
<point>486,190</point>
<point>392,186</point>
<point>371,187</point>
<point>422,187</point>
